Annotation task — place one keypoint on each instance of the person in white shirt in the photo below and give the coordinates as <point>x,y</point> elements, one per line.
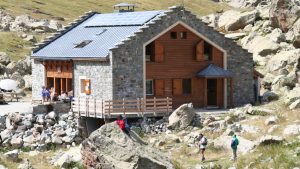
<point>202,145</point>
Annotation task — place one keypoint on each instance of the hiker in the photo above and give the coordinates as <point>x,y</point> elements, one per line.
<point>234,144</point>
<point>202,141</point>
<point>122,124</point>
<point>44,94</point>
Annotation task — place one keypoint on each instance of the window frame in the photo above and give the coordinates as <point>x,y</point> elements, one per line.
<point>152,87</point>
<point>183,35</point>
<point>82,80</point>
<point>173,35</point>
<point>208,51</point>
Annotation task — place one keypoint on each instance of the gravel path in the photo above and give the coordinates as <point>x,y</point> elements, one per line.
<point>22,107</point>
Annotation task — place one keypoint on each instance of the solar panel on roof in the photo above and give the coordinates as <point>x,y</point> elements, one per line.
<point>121,19</point>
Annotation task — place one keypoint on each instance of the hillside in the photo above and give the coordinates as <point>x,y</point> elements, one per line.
<point>68,10</point>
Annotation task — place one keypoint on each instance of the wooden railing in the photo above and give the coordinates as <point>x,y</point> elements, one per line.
<point>99,108</point>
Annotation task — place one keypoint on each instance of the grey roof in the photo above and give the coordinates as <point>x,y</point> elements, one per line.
<point>123,5</point>
<point>214,71</point>
<point>104,30</point>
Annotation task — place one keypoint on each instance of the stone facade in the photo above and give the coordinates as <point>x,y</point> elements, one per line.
<point>38,78</point>
<point>122,76</point>
<point>128,57</point>
<point>100,75</point>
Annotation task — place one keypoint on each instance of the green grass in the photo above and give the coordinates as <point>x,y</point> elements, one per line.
<point>70,9</point>
<point>14,46</point>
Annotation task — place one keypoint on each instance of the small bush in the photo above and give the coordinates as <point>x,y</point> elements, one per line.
<point>177,165</point>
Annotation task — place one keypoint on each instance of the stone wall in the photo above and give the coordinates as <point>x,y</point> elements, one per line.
<point>128,57</point>
<point>38,78</point>
<point>99,74</point>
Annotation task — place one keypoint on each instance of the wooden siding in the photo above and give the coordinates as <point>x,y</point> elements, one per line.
<point>182,60</point>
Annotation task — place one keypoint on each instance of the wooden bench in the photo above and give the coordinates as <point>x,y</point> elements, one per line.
<point>11,96</point>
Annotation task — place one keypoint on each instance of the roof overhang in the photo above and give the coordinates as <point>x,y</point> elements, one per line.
<point>102,59</point>
<point>213,71</point>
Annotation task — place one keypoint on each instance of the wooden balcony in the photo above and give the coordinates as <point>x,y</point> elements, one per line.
<point>99,108</point>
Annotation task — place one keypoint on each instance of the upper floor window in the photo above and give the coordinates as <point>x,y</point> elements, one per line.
<point>183,35</point>
<point>208,51</point>
<point>173,35</point>
<point>150,52</point>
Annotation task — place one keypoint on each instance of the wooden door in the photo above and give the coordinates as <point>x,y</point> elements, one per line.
<point>159,87</point>
<point>177,86</point>
<point>212,92</point>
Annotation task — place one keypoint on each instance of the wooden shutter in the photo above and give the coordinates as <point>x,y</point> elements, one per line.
<point>159,87</point>
<point>177,86</point>
<point>159,52</point>
<point>200,51</point>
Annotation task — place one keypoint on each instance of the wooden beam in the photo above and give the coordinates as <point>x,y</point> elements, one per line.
<point>205,92</point>
<point>231,92</point>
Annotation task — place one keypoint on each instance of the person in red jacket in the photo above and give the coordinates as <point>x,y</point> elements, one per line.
<point>121,122</point>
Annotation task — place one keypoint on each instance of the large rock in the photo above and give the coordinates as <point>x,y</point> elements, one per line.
<point>243,3</point>
<point>295,104</point>
<point>4,58</point>
<point>21,23</point>
<point>292,129</point>
<point>282,59</point>
<point>260,45</point>
<point>182,117</point>
<point>271,120</point>
<point>284,13</point>
<point>234,20</point>
<point>269,139</point>
<point>292,96</point>
<point>13,155</point>
<point>109,147</point>
<point>269,96</point>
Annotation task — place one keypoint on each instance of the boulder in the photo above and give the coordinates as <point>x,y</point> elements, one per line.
<point>182,117</point>
<point>295,104</point>
<point>13,155</point>
<point>6,134</point>
<point>276,35</point>
<point>269,139</point>
<point>260,45</point>
<point>292,129</point>
<point>109,147</point>
<point>243,3</point>
<point>271,120</point>
<point>284,13</point>
<point>4,58</point>
<point>21,23</point>
<point>234,20</point>
<point>269,96</point>
<point>30,38</point>
<point>293,33</point>
<point>292,96</point>
<point>28,81</point>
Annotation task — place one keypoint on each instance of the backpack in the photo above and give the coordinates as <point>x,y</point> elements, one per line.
<point>121,124</point>
<point>205,141</point>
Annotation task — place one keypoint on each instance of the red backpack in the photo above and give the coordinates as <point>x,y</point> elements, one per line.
<point>121,124</point>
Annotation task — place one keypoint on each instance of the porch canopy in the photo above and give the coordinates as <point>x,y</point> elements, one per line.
<point>213,71</point>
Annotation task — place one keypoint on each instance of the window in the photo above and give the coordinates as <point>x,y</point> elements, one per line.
<point>207,51</point>
<point>173,35</point>
<point>85,86</point>
<point>150,52</point>
<point>186,86</point>
<point>183,35</point>
<point>149,87</point>
<point>83,44</point>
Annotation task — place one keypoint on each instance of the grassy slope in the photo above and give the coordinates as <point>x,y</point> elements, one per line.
<point>71,9</point>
